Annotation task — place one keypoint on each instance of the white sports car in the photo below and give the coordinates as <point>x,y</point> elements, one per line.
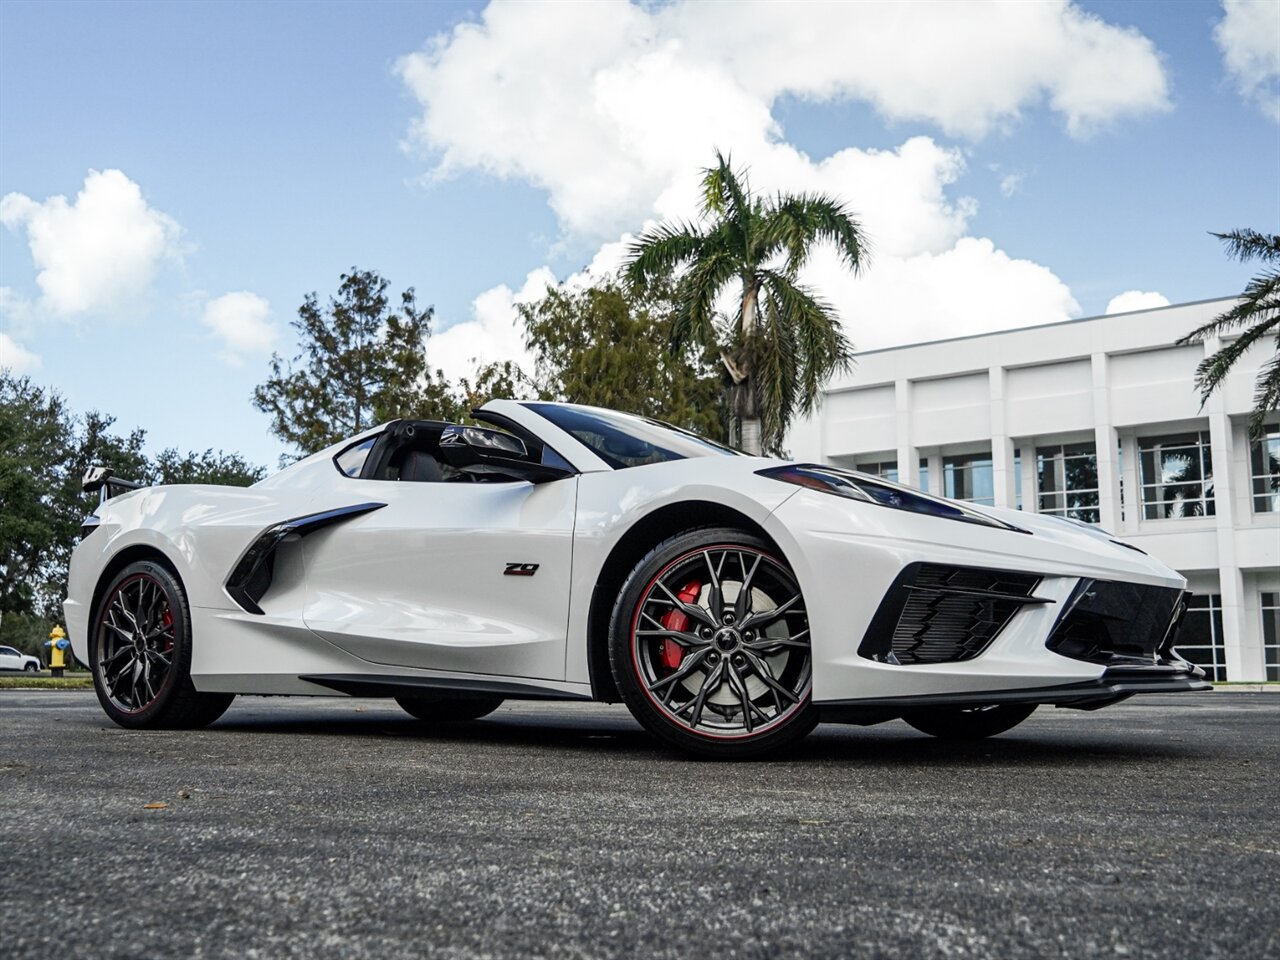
<point>565,552</point>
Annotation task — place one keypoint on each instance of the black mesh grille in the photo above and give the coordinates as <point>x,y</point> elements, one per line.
<point>942,614</point>
<point>1107,622</point>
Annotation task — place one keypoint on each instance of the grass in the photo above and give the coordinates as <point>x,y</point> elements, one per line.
<point>78,681</point>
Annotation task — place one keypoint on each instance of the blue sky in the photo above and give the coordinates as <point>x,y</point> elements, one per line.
<point>1032,169</point>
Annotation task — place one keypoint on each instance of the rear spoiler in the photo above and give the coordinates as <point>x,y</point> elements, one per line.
<point>99,478</point>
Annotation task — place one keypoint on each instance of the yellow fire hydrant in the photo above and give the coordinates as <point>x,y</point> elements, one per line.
<point>57,645</point>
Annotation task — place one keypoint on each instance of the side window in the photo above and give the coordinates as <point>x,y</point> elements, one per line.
<point>8,652</point>
<point>351,460</point>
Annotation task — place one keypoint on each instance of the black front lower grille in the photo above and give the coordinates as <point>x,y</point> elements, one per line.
<point>1115,623</point>
<point>935,613</point>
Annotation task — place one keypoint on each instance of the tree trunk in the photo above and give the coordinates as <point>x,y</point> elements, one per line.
<point>743,403</point>
<point>745,417</point>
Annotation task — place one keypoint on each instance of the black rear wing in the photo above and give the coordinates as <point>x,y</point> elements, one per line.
<point>99,479</point>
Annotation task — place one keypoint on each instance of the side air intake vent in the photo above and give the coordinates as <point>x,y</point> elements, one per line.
<point>250,579</point>
<point>941,614</point>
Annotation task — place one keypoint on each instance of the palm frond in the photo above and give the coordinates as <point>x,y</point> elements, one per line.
<point>803,328</point>
<point>1266,399</point>
<point>1213,369</point>
<point>659,252</point>
<point>694,320</point>
<point>794,223</point>
<point>1249,244</point>
<point>1257,313</point>
<point>725,193</point>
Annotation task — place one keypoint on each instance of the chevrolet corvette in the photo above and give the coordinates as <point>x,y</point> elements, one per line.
<point>565,552</point>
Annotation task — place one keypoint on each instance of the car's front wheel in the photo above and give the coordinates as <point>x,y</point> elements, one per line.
<point>969,723</point>
<point>438,709</point>
<point>709,646</point>
<point>140,653</point>
<point>31,668</point>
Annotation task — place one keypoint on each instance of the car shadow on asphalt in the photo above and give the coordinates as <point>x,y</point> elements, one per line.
<point>890,744</point>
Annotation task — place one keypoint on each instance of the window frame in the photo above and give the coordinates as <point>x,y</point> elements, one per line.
<point>1216,666</point>
<point>951,467</point>
<point>1155,508</point>
<point>1258,475</point>
<point>1082,509</point>
<point>1270,645</point>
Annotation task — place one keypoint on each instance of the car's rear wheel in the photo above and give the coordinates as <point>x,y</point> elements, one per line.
<point>969,723</point>
<point>709,646</point>
<point>438,709</point>
<point>31,668</point>
<point>140,653</point>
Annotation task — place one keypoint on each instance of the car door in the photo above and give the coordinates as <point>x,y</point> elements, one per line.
<point>457,577</point>
<point>10,659</point>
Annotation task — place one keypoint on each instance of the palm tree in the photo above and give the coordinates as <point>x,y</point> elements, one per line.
<point>1258,311</point>
<point>785,341</point>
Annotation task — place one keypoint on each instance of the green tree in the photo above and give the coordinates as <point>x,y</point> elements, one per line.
<point>1258,312</point>
<point>785,342</point>
<point>225,469</point>
<point>607,346</point>
<point>35,441</point>
<point>362,362</point>
<point>44,452</point>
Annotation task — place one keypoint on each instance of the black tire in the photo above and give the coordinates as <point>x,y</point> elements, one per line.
<point>743,659</point>
<point>31,668</point>
<point>443,709</point>
<point>969,723</point>
<point>162,619</point>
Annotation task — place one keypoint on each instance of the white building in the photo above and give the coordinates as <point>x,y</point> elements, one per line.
<point>1096,419</point>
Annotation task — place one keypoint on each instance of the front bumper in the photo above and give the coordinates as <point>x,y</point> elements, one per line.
<point>851,557</point>
<point>1115,684</point>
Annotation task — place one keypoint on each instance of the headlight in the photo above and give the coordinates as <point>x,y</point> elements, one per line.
<point>856,486</point>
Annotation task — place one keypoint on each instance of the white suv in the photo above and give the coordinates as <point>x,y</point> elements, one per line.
<point>11,659</point>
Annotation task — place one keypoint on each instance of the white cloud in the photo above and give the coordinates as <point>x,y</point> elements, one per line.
<point>1249,38</point>
<point>100,250</point>
<point>970,288</point>
<point>15,358</point>
<point>608,107</point>
<point>1011,184</point>
<point>492,335</point>
<point>612,109</point>
<point>242,322</point>
<point>1132,300</point>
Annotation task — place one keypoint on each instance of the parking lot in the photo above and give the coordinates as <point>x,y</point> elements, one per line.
<point>328,828</point>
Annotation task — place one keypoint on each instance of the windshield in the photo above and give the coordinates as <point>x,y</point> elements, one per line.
<point>622,440</point>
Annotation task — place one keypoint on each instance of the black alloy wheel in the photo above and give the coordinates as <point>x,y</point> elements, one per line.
<point>140,653</point>
<point>710,647</point>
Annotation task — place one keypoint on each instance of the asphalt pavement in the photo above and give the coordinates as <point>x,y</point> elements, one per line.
<point>342,828</point>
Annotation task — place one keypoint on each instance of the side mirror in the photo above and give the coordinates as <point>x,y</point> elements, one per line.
<point>479,450</point>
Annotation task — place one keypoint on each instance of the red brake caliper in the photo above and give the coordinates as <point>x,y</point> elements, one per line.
<point>669,652</point>
<point>167,620</point>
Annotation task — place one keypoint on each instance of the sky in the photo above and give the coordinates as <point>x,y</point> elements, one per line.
<point>176,177</point>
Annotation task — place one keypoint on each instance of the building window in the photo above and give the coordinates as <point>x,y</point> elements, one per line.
<point>1200,637</point>
<point>1271,633</point>
<point>969,478</point>
<point>1177,476</point>
<point>1265,461</point>
<point>924,475</point>
<point>1017,479</point>
<point>1068,481</point>
<point>885,468</point>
